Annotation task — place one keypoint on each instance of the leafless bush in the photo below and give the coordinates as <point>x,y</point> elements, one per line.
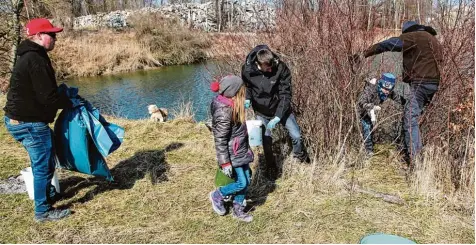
<point>316,43</point>
<point>448,124</point>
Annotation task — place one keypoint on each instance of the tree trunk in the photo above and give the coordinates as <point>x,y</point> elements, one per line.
<point>218,14</point>
<point>369,20</point>
<point>222,7</point>
<point>397,17</point>
<point>17,7</point>
<point>418,9</point>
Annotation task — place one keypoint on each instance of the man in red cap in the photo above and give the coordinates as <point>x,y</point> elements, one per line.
<point>32,102</point>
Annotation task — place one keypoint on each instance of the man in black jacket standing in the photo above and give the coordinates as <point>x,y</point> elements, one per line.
<point>422,54</point>
<point>268,82</point>
<point>32,102</point>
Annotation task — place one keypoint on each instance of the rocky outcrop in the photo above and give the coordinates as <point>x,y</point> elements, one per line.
<point>245,16</point>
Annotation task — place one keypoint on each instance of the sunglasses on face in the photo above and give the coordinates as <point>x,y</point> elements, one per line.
<point>52,35</point>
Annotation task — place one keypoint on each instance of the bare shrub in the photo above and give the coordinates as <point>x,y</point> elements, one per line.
<point>448,123</point>
<point>183,111</point>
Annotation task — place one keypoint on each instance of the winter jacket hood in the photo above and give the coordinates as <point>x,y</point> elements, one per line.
<point>30,46</point>
<point>251,58</point>
<point>411,26</point>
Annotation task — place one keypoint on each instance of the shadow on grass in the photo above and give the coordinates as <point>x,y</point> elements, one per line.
<point>268,171</point>
<point>151,163</point>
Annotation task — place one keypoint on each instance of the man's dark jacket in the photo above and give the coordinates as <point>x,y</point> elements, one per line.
<point>33,94</point>
<point>269,93</point>
<point>422,53</point>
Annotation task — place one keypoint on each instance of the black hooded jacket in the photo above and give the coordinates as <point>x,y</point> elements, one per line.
<point>269,93</point>
<point>33,94</point>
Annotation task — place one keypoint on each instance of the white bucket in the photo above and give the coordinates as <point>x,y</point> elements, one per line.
<point>254,132</point>
<point>28,178</point>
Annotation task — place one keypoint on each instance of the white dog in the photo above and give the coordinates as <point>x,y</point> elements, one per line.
<point>157,114</point>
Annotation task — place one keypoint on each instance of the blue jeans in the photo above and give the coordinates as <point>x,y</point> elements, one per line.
<point>240,186</point>
<point>367,127</point>
<point>37,139</point>
<point>294,131</point>
<point>420,96</point>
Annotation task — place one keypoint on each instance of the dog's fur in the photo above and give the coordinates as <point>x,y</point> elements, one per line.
<point>157,114</point>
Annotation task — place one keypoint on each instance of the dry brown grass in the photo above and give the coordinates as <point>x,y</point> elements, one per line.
<point>184,111</point>
<point>152,41</point>
<point>164,172</point>
<point>96,53</point>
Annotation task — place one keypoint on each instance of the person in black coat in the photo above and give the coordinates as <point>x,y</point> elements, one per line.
<point>268,82</point>
<point>32,102</point>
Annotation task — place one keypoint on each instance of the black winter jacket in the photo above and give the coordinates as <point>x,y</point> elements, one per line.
<point>33,94</point>
<point>231,139</point>
<point>269,93</point>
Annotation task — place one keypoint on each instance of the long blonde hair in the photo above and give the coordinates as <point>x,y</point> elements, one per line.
<point>239,114</point>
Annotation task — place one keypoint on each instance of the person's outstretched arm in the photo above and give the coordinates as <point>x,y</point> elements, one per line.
<point>394,44</point>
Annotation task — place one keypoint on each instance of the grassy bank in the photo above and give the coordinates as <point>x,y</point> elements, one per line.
<point>152,41</point>
<point>165,171</point>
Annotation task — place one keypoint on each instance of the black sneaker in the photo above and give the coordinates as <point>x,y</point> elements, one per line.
<point>303,158</point>
<point>52,215</point>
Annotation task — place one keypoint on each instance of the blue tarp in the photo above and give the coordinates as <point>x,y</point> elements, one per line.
<point>83,137</point>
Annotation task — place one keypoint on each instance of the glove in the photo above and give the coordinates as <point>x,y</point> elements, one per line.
<point>247,104</point>
<point>373,117</point>
<point>272,123</point>
<point>377,108</point>
<point>227,169</point>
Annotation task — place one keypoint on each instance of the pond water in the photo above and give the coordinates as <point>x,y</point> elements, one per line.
<point>128,95</point>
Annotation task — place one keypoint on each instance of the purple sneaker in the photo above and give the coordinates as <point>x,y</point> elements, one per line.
<point>240,214</point>
<point>218,203</point>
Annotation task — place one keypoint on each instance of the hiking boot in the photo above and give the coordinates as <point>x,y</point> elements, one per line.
<point>302,158</point>
<point>52,215</point>
<point>218,203</point>
<point>240,214</point>
<point>369,154</point>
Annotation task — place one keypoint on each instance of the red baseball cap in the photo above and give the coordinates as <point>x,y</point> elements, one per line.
<point>41,25</point>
